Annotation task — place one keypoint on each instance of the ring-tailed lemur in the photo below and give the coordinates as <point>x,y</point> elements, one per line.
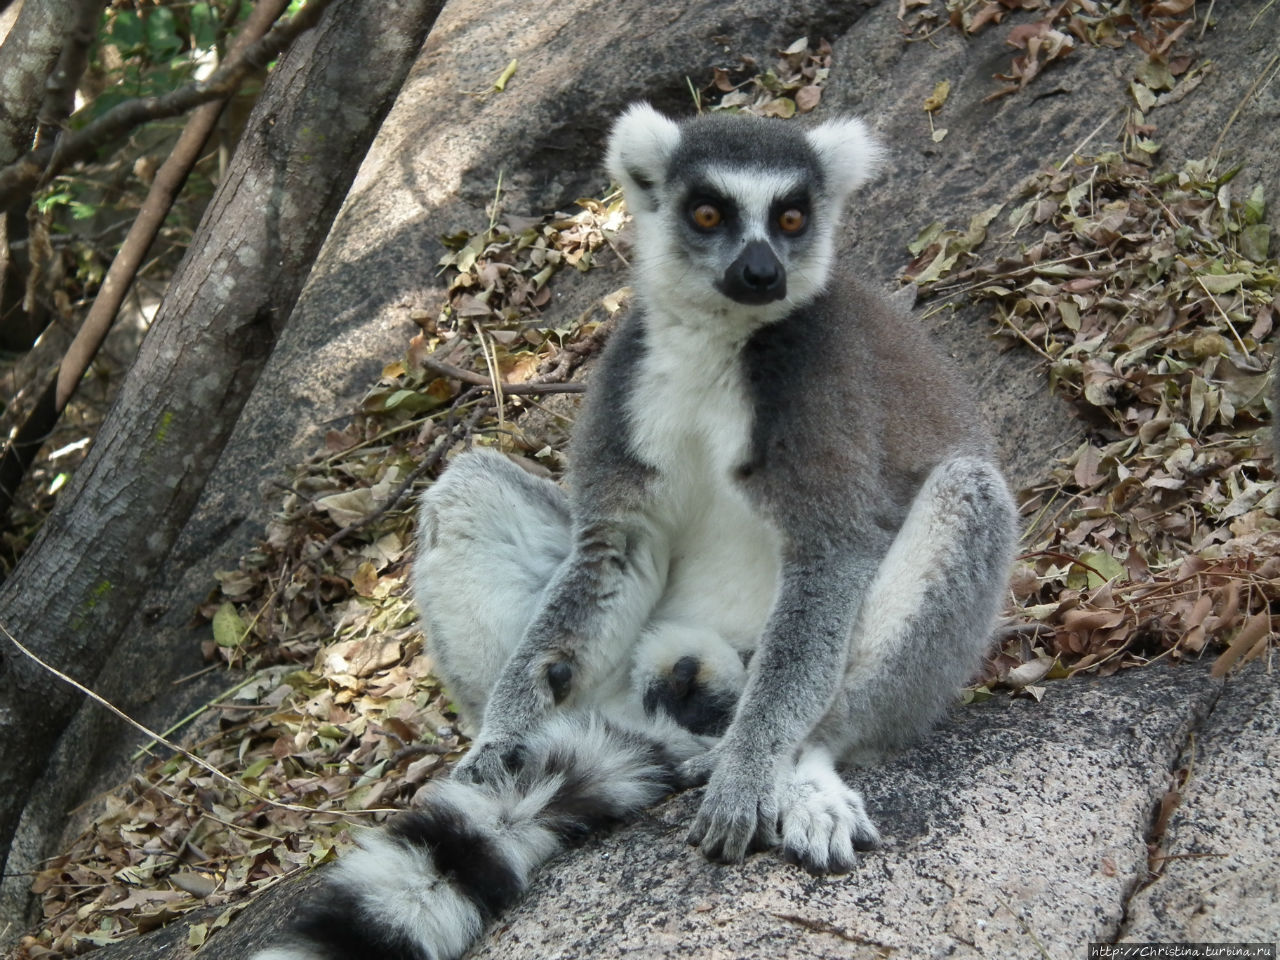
<point>773,467</point>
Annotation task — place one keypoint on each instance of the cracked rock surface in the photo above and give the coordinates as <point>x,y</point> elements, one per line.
<point>1221,878</point>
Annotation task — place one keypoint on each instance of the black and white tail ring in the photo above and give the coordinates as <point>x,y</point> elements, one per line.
<point>426,886</point>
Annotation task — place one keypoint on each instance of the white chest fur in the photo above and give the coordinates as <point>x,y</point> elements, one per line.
<point>691,419</point>
<point>689,410</point>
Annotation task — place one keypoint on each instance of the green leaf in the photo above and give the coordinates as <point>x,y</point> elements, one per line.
<point>49,201</point>
<point>163,41</point>
<point>925,237</point>
<point>978,224</point>
<point>228,628</point>
<point>126,31</point>
<point>1156,75</point>
<point>976,694</point>
<point>204,26</point>
<point>1255,241</point>
<point>1255,208</point>
<point>197,933</point>
<point>1222,283</point>
<point>937,267</point>
<point>1143,96</point>
<point>1103,563</point>
<point>411,401</point>
<point>254,770</point>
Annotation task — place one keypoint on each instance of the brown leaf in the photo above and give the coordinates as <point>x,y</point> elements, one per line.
<point>807,98</point>
<point>1255,630</point>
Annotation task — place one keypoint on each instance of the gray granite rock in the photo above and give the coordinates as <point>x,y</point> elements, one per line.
<point>1018,830</point>
<point>1221,850</point>
<point>1017,824</point>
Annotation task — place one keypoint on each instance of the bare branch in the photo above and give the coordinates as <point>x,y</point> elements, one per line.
<point>24,174</point>
<point>22,448</point>
<point>60,88</point>
<point>510,389</point>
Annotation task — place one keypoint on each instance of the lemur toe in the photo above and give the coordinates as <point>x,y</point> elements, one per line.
<point>559,679</point>
<point>688,695</point>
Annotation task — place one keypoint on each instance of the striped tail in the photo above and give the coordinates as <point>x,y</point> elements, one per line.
<point>427,885</point>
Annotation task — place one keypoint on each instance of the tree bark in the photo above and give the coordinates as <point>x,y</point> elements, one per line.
<point>27,57</point>
<point>18,456</point>
<point>81,581</point>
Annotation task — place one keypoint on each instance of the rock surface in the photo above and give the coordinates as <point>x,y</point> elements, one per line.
<point>1221,879</point>
<point>1018,823</point>
<point>1019,829</point>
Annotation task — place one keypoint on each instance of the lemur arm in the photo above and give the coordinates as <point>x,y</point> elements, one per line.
<point>593,609</point>
<point>794,678</point>
<point>604,592</point>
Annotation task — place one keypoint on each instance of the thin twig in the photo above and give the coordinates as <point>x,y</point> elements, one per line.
<point>495,384</point>
<point>1085,142</point>
<point>1217,144</point>
<point>509,389</point>
<point>146,747</point>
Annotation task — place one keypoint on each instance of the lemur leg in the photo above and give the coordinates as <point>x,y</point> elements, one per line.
<point>490,537</point>
<point>921,633</point>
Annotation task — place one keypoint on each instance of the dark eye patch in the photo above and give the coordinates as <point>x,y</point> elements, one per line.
<point>797,202</point>
<point>701,196</point>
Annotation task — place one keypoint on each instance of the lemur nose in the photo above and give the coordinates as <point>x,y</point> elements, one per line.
<point>756,276</point>
<point>766,278</point>
<point>760,268</point>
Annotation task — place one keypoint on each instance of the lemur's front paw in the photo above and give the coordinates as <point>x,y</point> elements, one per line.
<point>739,814</point>
<point>490,760</point>
<point>823,822</point>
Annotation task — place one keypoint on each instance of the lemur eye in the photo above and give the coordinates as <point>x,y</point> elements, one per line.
<point>792,220</point>
<point>707,216</point>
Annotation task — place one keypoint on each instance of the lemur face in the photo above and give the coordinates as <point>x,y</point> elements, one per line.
<point>746,230</point>
<point>736,215</point>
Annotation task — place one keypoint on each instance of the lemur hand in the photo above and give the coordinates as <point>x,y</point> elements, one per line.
<point>739,811</point>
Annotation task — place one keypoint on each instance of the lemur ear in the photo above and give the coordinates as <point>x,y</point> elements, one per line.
<point>848,151</point>
<point>640,145</point>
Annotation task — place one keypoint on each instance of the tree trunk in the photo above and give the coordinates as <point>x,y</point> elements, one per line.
<point>81,581</point>
<point>27,57</point>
